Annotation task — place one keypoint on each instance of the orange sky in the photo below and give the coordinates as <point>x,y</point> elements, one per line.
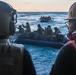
<point>49,5</point>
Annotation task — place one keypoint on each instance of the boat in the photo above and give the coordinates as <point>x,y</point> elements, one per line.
<point>45,18</point>
<point>45,43</point>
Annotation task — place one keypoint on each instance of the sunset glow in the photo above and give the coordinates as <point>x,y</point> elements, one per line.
<point>41,5</point>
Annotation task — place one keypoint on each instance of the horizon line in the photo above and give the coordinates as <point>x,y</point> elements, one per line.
<point>41,11</point>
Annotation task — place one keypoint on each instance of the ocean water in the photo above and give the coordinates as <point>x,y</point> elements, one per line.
<point>43,57</point>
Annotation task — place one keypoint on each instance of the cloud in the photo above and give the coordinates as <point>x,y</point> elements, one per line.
<point>27,2</point>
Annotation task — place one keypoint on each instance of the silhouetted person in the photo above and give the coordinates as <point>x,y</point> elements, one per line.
<point>65,63</point>
<point>14,58</point>
<point>21,30</point>
<point>56,31</point>
<point>28,29</point>
<point>40,29</point>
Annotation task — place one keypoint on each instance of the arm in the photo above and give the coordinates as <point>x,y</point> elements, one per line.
<point>28,67</point>
<point>62,64</point>
<point>23,26</point>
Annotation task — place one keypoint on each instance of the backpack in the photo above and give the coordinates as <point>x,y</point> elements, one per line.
<point>11,59</point>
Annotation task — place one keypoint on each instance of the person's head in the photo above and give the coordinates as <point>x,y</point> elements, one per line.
<point>55,28</point>
<point>27,23</point>
<point>20,26</point>
<point>7,19</point>
<point>49,26</point>
<point>39,25</point>
<point>71,18</point>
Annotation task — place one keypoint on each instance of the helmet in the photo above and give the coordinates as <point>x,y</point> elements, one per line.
<point>55,28</point>
<point>72,12</point>
<point>7,29</point>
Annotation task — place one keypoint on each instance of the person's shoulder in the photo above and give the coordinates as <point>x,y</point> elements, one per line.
<point>70,44</point>
<point>68,47</point>
<point>17,46</point>
<point>20,46</point>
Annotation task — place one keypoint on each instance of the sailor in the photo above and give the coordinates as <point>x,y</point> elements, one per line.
<point>48,33</point>
<point>49,30</point>
<point>14,58</point>
<point>39,32</point>
<point>40,29</point>
<point>21,30</point>
<point>48,18</point>
<point>65,63</point>
<point>56,33</point>
<point>56,30</point>
<point>28,29</point>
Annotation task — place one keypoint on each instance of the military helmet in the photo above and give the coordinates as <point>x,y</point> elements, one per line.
<point>7,28</point>
<point>72,12</point>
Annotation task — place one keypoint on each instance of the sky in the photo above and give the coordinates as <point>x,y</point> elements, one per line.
<point>41,5</point>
